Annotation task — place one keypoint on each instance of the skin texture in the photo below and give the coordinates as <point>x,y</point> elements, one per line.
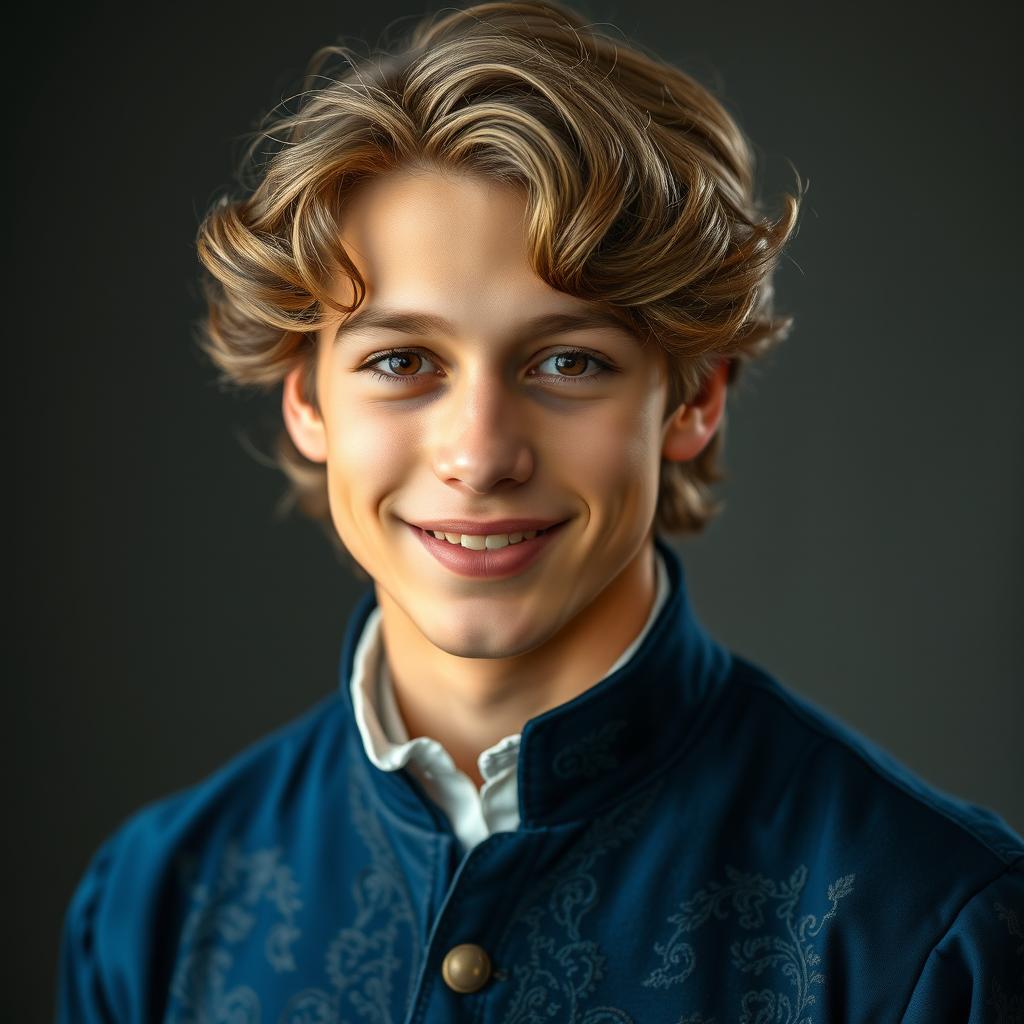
<point>488,429</point>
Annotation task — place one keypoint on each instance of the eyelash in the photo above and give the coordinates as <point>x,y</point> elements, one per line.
<point>605,367</point>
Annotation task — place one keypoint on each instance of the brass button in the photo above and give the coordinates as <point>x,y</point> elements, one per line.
<point>466,968</point>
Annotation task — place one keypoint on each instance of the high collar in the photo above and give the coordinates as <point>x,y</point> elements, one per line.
<point>588,752</point>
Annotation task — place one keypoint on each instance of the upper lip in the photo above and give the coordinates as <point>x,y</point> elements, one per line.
<point>469,526</point>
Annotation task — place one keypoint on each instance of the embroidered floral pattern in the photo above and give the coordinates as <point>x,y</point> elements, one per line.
<point>563,967</point>
<point>360,962</point>
<point>363,958</point>
<point>1008,1006</point>
<point>787,950</point>
<point>222,915</point>
<point>590,755</point>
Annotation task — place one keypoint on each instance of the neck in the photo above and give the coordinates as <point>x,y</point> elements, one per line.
<point>469,704</point>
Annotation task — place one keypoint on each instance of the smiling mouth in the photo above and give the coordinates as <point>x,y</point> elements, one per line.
<point>523,539</point>
<point>503,561</point>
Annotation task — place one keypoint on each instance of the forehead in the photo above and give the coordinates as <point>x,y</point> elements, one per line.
<point>435,214</point>
<point>455,243</point>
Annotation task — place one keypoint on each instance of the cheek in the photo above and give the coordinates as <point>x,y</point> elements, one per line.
<point>356,443</point>
<point>616,452</point>
<point>366,461</point>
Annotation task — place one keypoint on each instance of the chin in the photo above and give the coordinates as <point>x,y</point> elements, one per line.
<point>475,638</point>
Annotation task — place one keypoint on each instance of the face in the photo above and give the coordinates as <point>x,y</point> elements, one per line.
<point>485,420</point>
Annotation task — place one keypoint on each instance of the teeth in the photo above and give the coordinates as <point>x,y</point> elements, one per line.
<point>490,541</point>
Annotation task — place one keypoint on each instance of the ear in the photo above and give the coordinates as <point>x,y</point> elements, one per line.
<point>303,422</point>
<point>692,425</point>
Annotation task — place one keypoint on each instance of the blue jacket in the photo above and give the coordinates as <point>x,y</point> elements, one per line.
<point>697,845</point>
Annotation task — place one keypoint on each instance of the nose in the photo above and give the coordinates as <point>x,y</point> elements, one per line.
<point>483,439</point>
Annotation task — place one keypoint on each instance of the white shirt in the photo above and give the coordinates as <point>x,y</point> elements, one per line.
<point>474,814</point>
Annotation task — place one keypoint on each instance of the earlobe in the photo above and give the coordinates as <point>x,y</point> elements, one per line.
<point>692,425</point>
<point>304,424</point>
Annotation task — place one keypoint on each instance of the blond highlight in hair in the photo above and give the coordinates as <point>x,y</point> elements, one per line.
<point>639,198</point>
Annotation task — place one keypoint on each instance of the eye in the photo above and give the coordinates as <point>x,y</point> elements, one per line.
<point>397,359</point>
<point>571,360</point>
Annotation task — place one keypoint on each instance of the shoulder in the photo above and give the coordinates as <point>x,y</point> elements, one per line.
<point>255,782</point>
<point>933,885</point>
<point>120,902</point>
<point>845,765</point>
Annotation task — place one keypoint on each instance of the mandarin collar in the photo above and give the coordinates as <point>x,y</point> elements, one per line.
<point>588,752</point>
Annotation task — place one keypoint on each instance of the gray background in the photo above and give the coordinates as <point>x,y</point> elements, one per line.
<point>870,551</point>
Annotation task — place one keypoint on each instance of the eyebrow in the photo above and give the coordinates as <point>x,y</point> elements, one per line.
<point>414,322</point>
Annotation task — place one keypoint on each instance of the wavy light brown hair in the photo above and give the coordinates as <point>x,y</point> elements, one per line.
<point>639,189</point>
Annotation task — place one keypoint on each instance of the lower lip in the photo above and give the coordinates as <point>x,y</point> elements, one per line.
<point>493,563</point>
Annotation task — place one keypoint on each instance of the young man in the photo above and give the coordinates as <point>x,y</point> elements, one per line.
<point>505,278</point>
